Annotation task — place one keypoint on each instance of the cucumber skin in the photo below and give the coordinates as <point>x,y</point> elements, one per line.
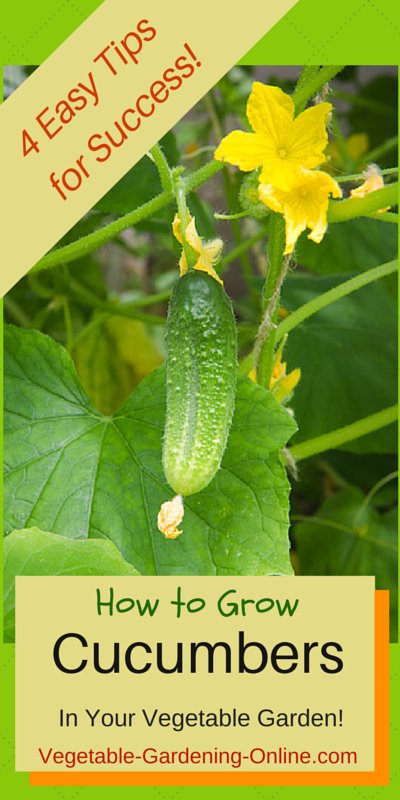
<point>201,381</point>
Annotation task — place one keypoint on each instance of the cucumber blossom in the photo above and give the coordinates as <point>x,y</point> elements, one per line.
<point>201,381</point>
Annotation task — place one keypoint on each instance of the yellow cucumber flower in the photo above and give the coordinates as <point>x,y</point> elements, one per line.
<point>281,144</point>
<point>282,383</point>
<point>373,181</point>
<point>208,253</point>
<point>304,206</point>
<point>282,389</point>
<point>278,370</point>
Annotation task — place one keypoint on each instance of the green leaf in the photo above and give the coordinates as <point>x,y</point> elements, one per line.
<point>363,469</point>
<point>353,246</point>
<point>35,552</point>
<point>112,357</point>
<point>348,359</point>
<point>347,537</point>
<point>140,184</point>
<point>72,470</point>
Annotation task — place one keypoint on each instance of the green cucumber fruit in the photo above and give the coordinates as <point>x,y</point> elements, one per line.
<point>201,381</point>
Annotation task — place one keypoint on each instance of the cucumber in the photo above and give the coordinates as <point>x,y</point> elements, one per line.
<point>201,381</point>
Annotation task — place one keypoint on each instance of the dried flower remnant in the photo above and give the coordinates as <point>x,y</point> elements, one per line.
<point>372,182</point>
<point>170,516</point>
<point>208,253</point>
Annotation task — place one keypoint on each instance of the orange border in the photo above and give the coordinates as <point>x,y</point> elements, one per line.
<point>380,775</point>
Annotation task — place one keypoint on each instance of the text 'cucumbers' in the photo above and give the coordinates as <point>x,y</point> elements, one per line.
<point>201,381</point>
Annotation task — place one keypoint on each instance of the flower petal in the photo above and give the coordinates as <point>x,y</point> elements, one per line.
<point>295,225</point>
<point>176,228</point>
<point>373,181</point>
<point>205,265</point>
<point>284,388</point>
<point>323,182</point>
<point>282,173</point>
<point>208,252</point>
<point>192,237</point>
<point>304,206</point>
<point>271,196</point>
<point>278,370</point>
<point>213,250</point>
<point>270,111</point>
<point>244,150</point>
<point>308,136</point>
<point>183,267</point>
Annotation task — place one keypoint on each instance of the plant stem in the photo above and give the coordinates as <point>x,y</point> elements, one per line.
<point>230,194</point>
<point>338,526</point>
<point>334,439</point>
<point>303,93</point>
<point>308,73</point>
<point>265,341</point>
<point>332,295</point>
<point>341,210</point>
<point>16,312</point>
<point>276,244</point>
<point>235,226</point>
<point>162,167</point>
<point>151,299</point>
<point>329,523</point>
<point>130,310</point>
<point>310,81</point>
<point>239,215</point>
<point>202,175</point>
<point>36,285</point>
<point>375,489</point>
<point>210,105</point>
<point>360,177</point>
<point>208,148</point>
<point>85,245</point>
<point>384,216</point>
<point>68,325</point>
<point>184,216</point>
<point>92,325</point>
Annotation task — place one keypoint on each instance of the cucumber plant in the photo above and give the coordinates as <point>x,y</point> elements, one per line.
<point>85,462</point>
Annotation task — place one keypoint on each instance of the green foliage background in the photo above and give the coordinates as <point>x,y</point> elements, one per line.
<point>29,38</point>
<point>84,424</point>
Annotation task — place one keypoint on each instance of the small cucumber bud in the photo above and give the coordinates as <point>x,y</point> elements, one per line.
<point>249,198</point>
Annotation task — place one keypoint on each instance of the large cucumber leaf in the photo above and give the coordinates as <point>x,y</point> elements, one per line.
<point>353,246</point>
<point>35,552</point>
<point>109,365</point>
<point>348,536</point>
<point>74,471</point>
<point>348,358</point>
